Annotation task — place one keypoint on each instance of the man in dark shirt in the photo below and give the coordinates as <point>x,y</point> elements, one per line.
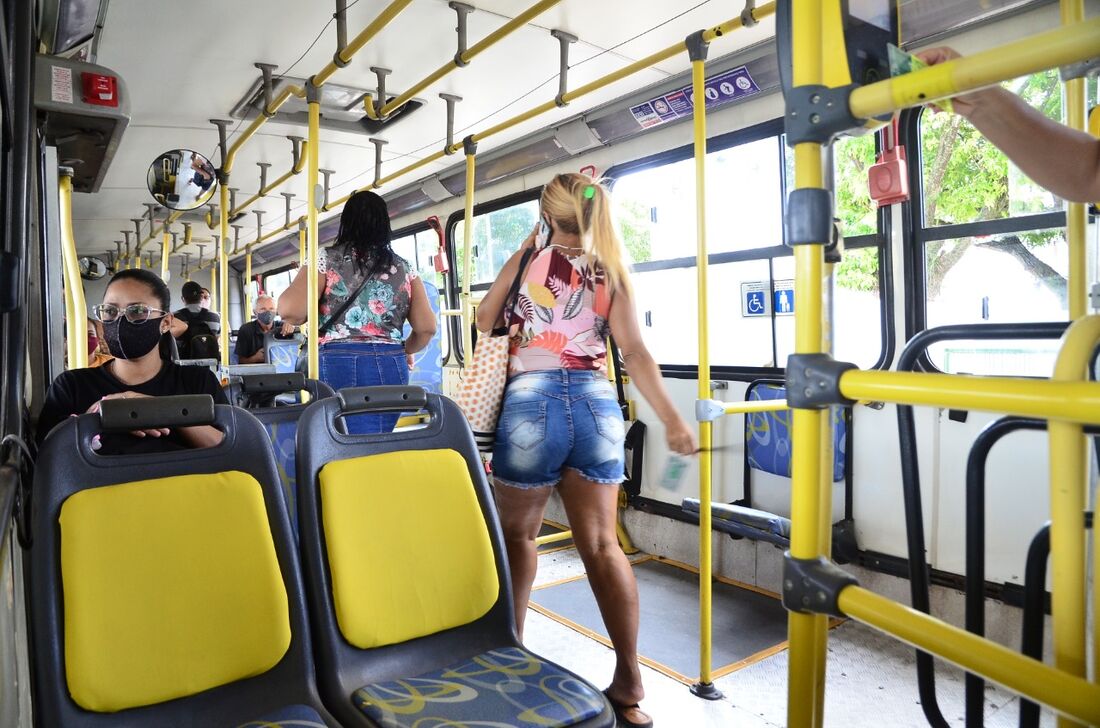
<point>199,341</point>
<point>250,337</point>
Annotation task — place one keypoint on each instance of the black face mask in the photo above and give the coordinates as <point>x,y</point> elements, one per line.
<point>131,341</point>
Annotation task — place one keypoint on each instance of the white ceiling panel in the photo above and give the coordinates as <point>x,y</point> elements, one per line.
<point>186,62</point>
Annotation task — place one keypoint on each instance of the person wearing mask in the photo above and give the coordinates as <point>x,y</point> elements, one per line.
<point>199,340</point>
<point>205,300</point>
<point>367,294</point>
<point>135,317</point>
<point>1063,160</point>
<point>250,337</point>
<point>560,423</point>
<point>98,353</point>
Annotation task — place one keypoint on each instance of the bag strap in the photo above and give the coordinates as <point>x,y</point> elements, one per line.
<point>512,292</point>
<point>343,307</point>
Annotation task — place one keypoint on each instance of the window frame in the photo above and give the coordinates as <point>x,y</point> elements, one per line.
<point>274,272</point>
<point>415,229</point>
<point>748,135</point>
<point>453,290</point>
<point>917,236</point>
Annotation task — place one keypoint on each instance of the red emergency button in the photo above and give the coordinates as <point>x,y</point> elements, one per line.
<point>99,89</point>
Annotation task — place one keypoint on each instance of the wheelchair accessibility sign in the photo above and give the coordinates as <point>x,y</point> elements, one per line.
<point>760,298</point>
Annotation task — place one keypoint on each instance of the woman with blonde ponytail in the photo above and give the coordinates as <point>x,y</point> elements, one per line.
<point>560,424</point>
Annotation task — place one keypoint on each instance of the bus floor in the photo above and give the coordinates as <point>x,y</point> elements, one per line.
<point>871,679</point>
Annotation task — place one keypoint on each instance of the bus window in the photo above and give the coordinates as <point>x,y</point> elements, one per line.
<point>497,235</point>
<point>276,283</point>
<point>980,271</point>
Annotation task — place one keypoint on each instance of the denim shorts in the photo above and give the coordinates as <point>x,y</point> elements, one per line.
<point>555,419</point>
<point>364,364</point>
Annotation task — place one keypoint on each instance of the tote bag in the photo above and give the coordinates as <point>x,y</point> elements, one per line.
<point>481,393</point>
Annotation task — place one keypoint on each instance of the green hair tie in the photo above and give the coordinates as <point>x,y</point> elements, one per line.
<point>589,192</point>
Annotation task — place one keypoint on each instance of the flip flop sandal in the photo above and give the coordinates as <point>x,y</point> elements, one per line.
<point>621,710</point>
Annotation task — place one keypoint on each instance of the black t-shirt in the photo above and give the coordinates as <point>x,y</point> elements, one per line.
<point>74,391</point>
<point>250,339</point>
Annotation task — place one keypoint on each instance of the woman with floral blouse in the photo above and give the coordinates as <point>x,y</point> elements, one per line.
<point>361,344</point>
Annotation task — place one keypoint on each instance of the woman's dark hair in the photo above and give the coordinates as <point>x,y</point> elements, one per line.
<point>160,290</point>
<point>365,232</point>
<point>149,278</point>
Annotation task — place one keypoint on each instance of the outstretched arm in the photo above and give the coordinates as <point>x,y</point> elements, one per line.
<point>1063,160</point>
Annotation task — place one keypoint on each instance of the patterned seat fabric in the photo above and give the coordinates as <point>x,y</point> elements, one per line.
<point>503,687</point>
<point>282,441</point>
<point>292,716</point>
<point>768,436</point>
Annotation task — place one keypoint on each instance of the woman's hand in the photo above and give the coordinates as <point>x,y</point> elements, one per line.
<point>150,432</point>
<point>680,437</point>
<point>529,241</point>
<point>965,104</point>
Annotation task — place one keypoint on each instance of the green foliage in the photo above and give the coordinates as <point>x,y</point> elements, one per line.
<point>634,227</point>
<point>852,157</point>
<point>858,271</point>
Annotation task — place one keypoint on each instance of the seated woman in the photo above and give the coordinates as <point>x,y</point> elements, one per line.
<point>98,353</point>
<point>135,317</point>
<point>366,293</point>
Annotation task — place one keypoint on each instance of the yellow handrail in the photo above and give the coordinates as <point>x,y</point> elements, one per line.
<point>553,538</point>
<point>487,42</point>
<point>76,308</point>
<point>294,170</point>
<point>1073,12</point>
<point>807,636</point>
<point>223,267</point>
<point>468,256</point>
<point>311,239</point>
<point>766,405</point>
<point>1064,693</point>
<point>706,428</point>
<point>165,254</point>
<point>1058,47</point>
<point>1068,486</point>
<point>1053,400</point>
<point>381,21</point>
<point>249,303</point>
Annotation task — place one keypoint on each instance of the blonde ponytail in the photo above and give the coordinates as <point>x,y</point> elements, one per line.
<point>582,205</point>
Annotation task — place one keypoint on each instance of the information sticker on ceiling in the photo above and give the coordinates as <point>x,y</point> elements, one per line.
<point>721,89</point>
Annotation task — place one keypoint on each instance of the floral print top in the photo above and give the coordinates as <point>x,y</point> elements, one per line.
<point>559,320</point>
<point>382,307</point>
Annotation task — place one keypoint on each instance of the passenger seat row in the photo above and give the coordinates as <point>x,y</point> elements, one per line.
<point>170,590</point>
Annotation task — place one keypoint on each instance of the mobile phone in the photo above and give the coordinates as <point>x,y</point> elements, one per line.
<point>542,237</point>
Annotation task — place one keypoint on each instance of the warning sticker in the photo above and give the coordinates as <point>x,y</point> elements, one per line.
<point>61,85</point>
<point>721,89</point>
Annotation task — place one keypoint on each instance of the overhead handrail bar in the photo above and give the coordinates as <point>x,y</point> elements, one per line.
<point>296,168</point>
<point>461,59</point>
<point>708,410</point>
<point>709,36</point>
<point>76,307</point>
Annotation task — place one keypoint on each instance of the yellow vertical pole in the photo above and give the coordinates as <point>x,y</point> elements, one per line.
<point>76,339</point>
<point>313,95</point>
<point>222,264</point>
<point>214,276</point>
<point>165,253</point>
<point>301,244</point>
<point>468,251</point>
<point>697,53</point>
<point>136,260</point>
<point>249,303</point>
<point>807,632</point>
<point>1073,11</point>
<point>1068,488</point>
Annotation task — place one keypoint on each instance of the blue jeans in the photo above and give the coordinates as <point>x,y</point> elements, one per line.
<point>364,364</point>
<point>555,419</point>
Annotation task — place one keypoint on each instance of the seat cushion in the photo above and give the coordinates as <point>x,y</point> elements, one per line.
<point>407,545</point>
<point>296,716</point>
<point>171,587</point>
<point>506,687</point>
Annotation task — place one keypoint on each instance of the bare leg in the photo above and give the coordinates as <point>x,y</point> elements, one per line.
<point>521,512</point>
<point>592,510</point>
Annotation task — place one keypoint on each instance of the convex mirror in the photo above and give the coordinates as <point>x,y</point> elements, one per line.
<point>182,179</point>
<point>92,269</point>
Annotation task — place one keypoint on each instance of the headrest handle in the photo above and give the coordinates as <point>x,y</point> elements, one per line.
<point>272,383</point>
<point>138,413</point>
<point>355,400</point>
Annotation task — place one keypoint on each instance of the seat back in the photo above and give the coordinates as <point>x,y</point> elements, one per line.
<point>165,587</point>
<point>427,371</point>
<point>768,434</point>
<point>280,420</point>
<point>403,550</point>
<point>282,352</point>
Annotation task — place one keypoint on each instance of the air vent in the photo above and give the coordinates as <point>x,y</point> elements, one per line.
<point>341,107</point>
